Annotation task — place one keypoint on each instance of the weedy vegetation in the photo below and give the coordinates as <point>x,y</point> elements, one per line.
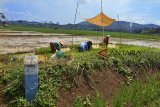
<point>139,93</point>
<point>90,101</point>
<point>63,73</point>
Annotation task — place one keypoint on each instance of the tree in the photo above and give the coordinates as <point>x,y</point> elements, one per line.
<point>2,16</point>
<point>57,23</point>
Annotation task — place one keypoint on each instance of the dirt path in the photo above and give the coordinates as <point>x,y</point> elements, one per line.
<point>26,41</point>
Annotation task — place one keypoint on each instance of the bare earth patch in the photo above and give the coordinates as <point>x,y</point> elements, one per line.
<point>105,82</point>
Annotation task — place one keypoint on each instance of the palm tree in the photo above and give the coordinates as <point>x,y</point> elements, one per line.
<point>3,19</point>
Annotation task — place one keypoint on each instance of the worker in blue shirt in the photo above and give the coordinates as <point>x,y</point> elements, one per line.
<point>85,46</point>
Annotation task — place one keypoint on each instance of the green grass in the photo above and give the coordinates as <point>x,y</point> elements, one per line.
<point>83,32</point>
<point>62,73</point>
<point>44,51</point>
<point>74,52</point>
<point>138,93</point>
<point>89,101</point>
<point>121,47</point>
<point>136,48</point>
<point>77,54</point>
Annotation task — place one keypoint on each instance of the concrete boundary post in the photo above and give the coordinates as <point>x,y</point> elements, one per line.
<point>30,77</point>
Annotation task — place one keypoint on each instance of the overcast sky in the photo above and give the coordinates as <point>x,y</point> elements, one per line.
<point>62,11</point>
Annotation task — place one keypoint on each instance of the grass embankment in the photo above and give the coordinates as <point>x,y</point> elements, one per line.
<point>139,93</point>
<point>85,32</point>
<point>65,74</point>
<point>119,48</point>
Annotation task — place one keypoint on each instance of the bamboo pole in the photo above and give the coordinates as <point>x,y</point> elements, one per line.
<point>97,35</point>
<point>119,28</point>
<point>101,18</point>
<point>101,6</point>
<point>75,21</point>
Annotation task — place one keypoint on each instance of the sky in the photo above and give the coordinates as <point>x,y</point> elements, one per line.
<point>63,11</point>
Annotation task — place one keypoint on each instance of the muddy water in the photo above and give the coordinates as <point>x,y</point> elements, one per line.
<point>146,43</point>
<point>11,42</point>
<point>14,44</point>
<point>18,41</point>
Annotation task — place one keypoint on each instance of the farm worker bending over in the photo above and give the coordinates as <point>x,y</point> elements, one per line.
<point>58,54</point>
<point>56,49</point>
<point>55,46</point>
<point>106,40</point>
<point>85,46</point>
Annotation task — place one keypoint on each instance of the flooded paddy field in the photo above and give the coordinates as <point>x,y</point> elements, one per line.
<point>27,41</point>
<point>24,41</point>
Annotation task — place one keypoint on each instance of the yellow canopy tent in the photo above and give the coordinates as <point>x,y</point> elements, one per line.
<point>101,20</point>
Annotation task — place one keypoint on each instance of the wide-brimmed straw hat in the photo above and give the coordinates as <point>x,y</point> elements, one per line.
<point>108,36</point>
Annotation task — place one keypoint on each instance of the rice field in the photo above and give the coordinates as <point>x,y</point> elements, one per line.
<point>86,32</point>
<point>27,41</point>
<point>128,77</point>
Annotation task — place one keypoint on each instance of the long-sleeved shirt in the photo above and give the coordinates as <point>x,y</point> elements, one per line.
<point>83,45</point>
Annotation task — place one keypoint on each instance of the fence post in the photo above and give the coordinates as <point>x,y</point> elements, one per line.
<point>30,77</point>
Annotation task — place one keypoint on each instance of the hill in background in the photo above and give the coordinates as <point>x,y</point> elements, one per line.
<point>115,26</point>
